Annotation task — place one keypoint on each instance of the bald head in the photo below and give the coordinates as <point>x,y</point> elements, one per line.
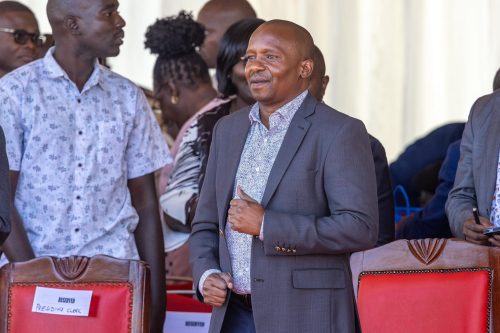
<point>279,63</point>
<point>292,33</point>
<point>57,10</point>
<point>237,7</point>
<point>90,27</point>
<point>216,16</point>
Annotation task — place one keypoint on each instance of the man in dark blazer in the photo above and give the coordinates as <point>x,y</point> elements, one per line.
<point>477,183</point>
<point>289,193</point>
<point>4,191</point>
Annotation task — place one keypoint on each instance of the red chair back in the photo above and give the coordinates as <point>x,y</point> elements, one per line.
<point>118,303</point>
<point>425,301</point>
<point>428,285</point>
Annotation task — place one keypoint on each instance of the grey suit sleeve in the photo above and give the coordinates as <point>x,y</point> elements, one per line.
<point>204,239</point>
<point>462,197</point>
<point>350,189</point>
<point>4,191</point>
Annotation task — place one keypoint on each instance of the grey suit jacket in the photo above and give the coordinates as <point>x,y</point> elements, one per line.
<point>477,169</point>
<point>320,204</point>
<point>4,191</point>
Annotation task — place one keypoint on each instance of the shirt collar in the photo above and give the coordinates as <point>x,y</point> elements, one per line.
<point>54,71</point>
<point>283,115</point>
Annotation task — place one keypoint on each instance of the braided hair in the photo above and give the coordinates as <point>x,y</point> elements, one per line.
<point>175,40</point>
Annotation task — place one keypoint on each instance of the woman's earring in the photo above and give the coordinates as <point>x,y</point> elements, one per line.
<point>174,99</point>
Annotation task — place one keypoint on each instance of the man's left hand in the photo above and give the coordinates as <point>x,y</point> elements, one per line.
<point>245,214</point>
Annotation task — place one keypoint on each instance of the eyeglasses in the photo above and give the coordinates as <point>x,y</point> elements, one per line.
<point>21,36</point>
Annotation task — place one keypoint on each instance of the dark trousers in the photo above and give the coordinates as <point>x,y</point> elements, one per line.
<point>238,318</point>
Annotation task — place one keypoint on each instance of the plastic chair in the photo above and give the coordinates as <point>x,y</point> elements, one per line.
<point>402,211</point>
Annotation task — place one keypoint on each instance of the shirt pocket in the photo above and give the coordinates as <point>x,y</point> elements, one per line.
<point>110,142</point>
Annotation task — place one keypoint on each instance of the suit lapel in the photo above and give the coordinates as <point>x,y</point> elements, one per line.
<point>291,143</point>
<point>230,160</point>
<point>492,141</point>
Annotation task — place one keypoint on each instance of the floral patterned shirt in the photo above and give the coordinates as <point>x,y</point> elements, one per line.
<point>495,204</point>
<point>75,152</point>
<point>257,159</point>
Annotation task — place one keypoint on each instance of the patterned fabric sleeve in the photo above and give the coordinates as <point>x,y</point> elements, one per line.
<point>147,151</point>
<point>10,121</point>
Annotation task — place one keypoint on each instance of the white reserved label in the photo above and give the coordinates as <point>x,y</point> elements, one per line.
<point>186,322</point>
<point>62,302</point>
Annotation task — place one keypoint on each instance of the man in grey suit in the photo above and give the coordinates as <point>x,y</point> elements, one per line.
<point>289,192</point>
<point>477,182</point>
<point>4,191</point>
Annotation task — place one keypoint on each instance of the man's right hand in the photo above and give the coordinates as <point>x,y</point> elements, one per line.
<point>474,232</point>
<point>215,288</point>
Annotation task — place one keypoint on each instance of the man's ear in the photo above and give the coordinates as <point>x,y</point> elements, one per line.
<point>71,24</point>
<point>306,68</point>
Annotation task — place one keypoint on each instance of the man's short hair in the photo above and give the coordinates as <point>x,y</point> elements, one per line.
<point>13,6</point>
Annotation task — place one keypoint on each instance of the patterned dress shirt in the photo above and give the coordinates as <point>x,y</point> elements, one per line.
<point>495,204</point>
<point>75,152</point>
<point>257,159</point>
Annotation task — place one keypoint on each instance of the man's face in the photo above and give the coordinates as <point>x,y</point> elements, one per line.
<point>101,28</point>
<point>12,53</point>
<point>214,29</point>
<point>215,23</point>
<point>273,66</point>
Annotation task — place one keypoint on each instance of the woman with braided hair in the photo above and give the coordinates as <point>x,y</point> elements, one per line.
<point>231,65</point>
<point>184,89</point>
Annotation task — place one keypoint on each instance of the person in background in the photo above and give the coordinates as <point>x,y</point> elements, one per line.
<point>230,71</point>
<point>424,157</point>
<point>284,201</point>
<point>47,44</point>
<point>186,95</point>
<point>431,221</point>
<point>5,199</point>
<point>83,146</point>
<point>216,16</point>
<point>20,38</point>
<point>319,79</point>
<point>317,87</point>
<point>477,180</point>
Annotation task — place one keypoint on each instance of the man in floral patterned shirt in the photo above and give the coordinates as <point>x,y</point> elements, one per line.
<point>82,146</point>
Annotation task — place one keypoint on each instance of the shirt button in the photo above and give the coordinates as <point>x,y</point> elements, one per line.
<point>79,100</point>
<point>77,229</point>
<point>80,132</point>
<point>78,197</point>
<point>80,165</point>
<point>257,169</point>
